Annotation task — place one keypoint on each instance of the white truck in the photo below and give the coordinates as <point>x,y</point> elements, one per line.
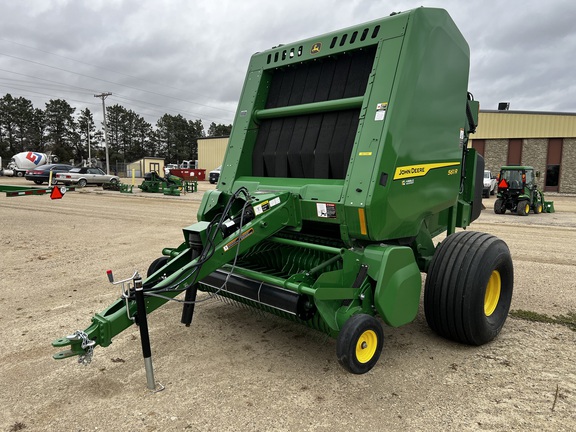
<point>25,161</point>
<point>490,184</point>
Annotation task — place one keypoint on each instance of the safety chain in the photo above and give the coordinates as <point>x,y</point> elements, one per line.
<point>87,345</point>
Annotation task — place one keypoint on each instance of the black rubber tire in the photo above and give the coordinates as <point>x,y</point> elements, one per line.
<point>499,207</point>
<point>19,174</point>
<point>82,183</point>
<point>461,274</point>
<point>356,332</point>
<point>114,181</point>
<point>538,207</point>
<point>523,208</point>
<point>156,264</point>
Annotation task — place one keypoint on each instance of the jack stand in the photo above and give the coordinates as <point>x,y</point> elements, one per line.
<point>144,335</point>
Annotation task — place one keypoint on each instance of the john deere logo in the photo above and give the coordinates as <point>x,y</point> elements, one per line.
<point>316,48</point>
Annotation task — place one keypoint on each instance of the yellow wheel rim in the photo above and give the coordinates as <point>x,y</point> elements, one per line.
<point>527,208</point>
<point>539,208</point>
<point>366,346</point>
<point>492,296</point>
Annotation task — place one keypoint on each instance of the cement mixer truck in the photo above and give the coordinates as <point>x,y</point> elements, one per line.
<point>28,160</point>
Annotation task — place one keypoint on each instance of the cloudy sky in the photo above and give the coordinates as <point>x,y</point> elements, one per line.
<point>190,57</point>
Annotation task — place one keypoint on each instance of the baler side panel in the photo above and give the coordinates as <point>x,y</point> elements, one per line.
<point>422,132</point>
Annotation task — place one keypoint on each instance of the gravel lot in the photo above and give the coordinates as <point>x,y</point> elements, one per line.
<point>234,370</point>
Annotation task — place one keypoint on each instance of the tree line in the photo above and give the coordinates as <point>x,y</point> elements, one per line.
<point>59,129</point>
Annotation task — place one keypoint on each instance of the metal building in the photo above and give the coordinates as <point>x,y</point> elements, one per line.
<point>543,140</point>
<point>211,152</point>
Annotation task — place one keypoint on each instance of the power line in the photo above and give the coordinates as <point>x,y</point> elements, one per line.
<point>96,66</point>
<point>115,83</point>
<point>91,91</point>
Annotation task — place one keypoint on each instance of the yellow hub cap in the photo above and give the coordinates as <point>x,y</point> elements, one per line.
<point>366,346</point>
<point>492,296</point>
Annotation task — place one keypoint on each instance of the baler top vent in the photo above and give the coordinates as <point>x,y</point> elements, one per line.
<point>286,53</point>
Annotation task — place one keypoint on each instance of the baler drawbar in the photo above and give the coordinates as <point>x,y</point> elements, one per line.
<point>348,156</point>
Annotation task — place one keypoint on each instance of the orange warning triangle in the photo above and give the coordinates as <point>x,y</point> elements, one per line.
<point>56,193</point>
<point>503,184</point>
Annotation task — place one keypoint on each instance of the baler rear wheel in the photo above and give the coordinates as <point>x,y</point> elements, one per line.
<point>468,288</point>
<point>359,343</point>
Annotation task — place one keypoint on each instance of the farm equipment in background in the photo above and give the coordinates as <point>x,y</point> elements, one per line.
<point>55,192</point>
<point>169,185</point>
<point>518,192</point>
<point>347,157</point>
<point>118,187</point>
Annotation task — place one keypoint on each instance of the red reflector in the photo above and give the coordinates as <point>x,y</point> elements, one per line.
<point>503,184</point>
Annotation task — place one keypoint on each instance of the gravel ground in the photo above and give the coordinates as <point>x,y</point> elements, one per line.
<point>234,370</point>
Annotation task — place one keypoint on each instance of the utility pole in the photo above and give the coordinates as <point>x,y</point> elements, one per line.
<point>104,96</point>
<point>89,156</point>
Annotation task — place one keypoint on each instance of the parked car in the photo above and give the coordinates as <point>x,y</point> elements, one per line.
<point>490,184</point>
<point>84,176</point>
<point>214,175</point>
<point>41,174</point>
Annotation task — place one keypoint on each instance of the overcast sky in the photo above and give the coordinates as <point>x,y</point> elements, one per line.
<point>190,57</point>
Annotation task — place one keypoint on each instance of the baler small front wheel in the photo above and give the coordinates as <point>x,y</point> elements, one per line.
<point>359,343</point>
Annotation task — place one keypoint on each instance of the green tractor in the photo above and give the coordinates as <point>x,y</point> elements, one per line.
<point>518,192</point>
<point>348,156</point>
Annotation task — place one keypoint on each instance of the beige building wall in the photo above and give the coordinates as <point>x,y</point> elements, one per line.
<point>211,153</point>
<point>519,124</point>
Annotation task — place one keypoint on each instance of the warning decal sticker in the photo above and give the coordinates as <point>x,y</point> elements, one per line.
<point>326,210</point>
<point>238,239</point>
